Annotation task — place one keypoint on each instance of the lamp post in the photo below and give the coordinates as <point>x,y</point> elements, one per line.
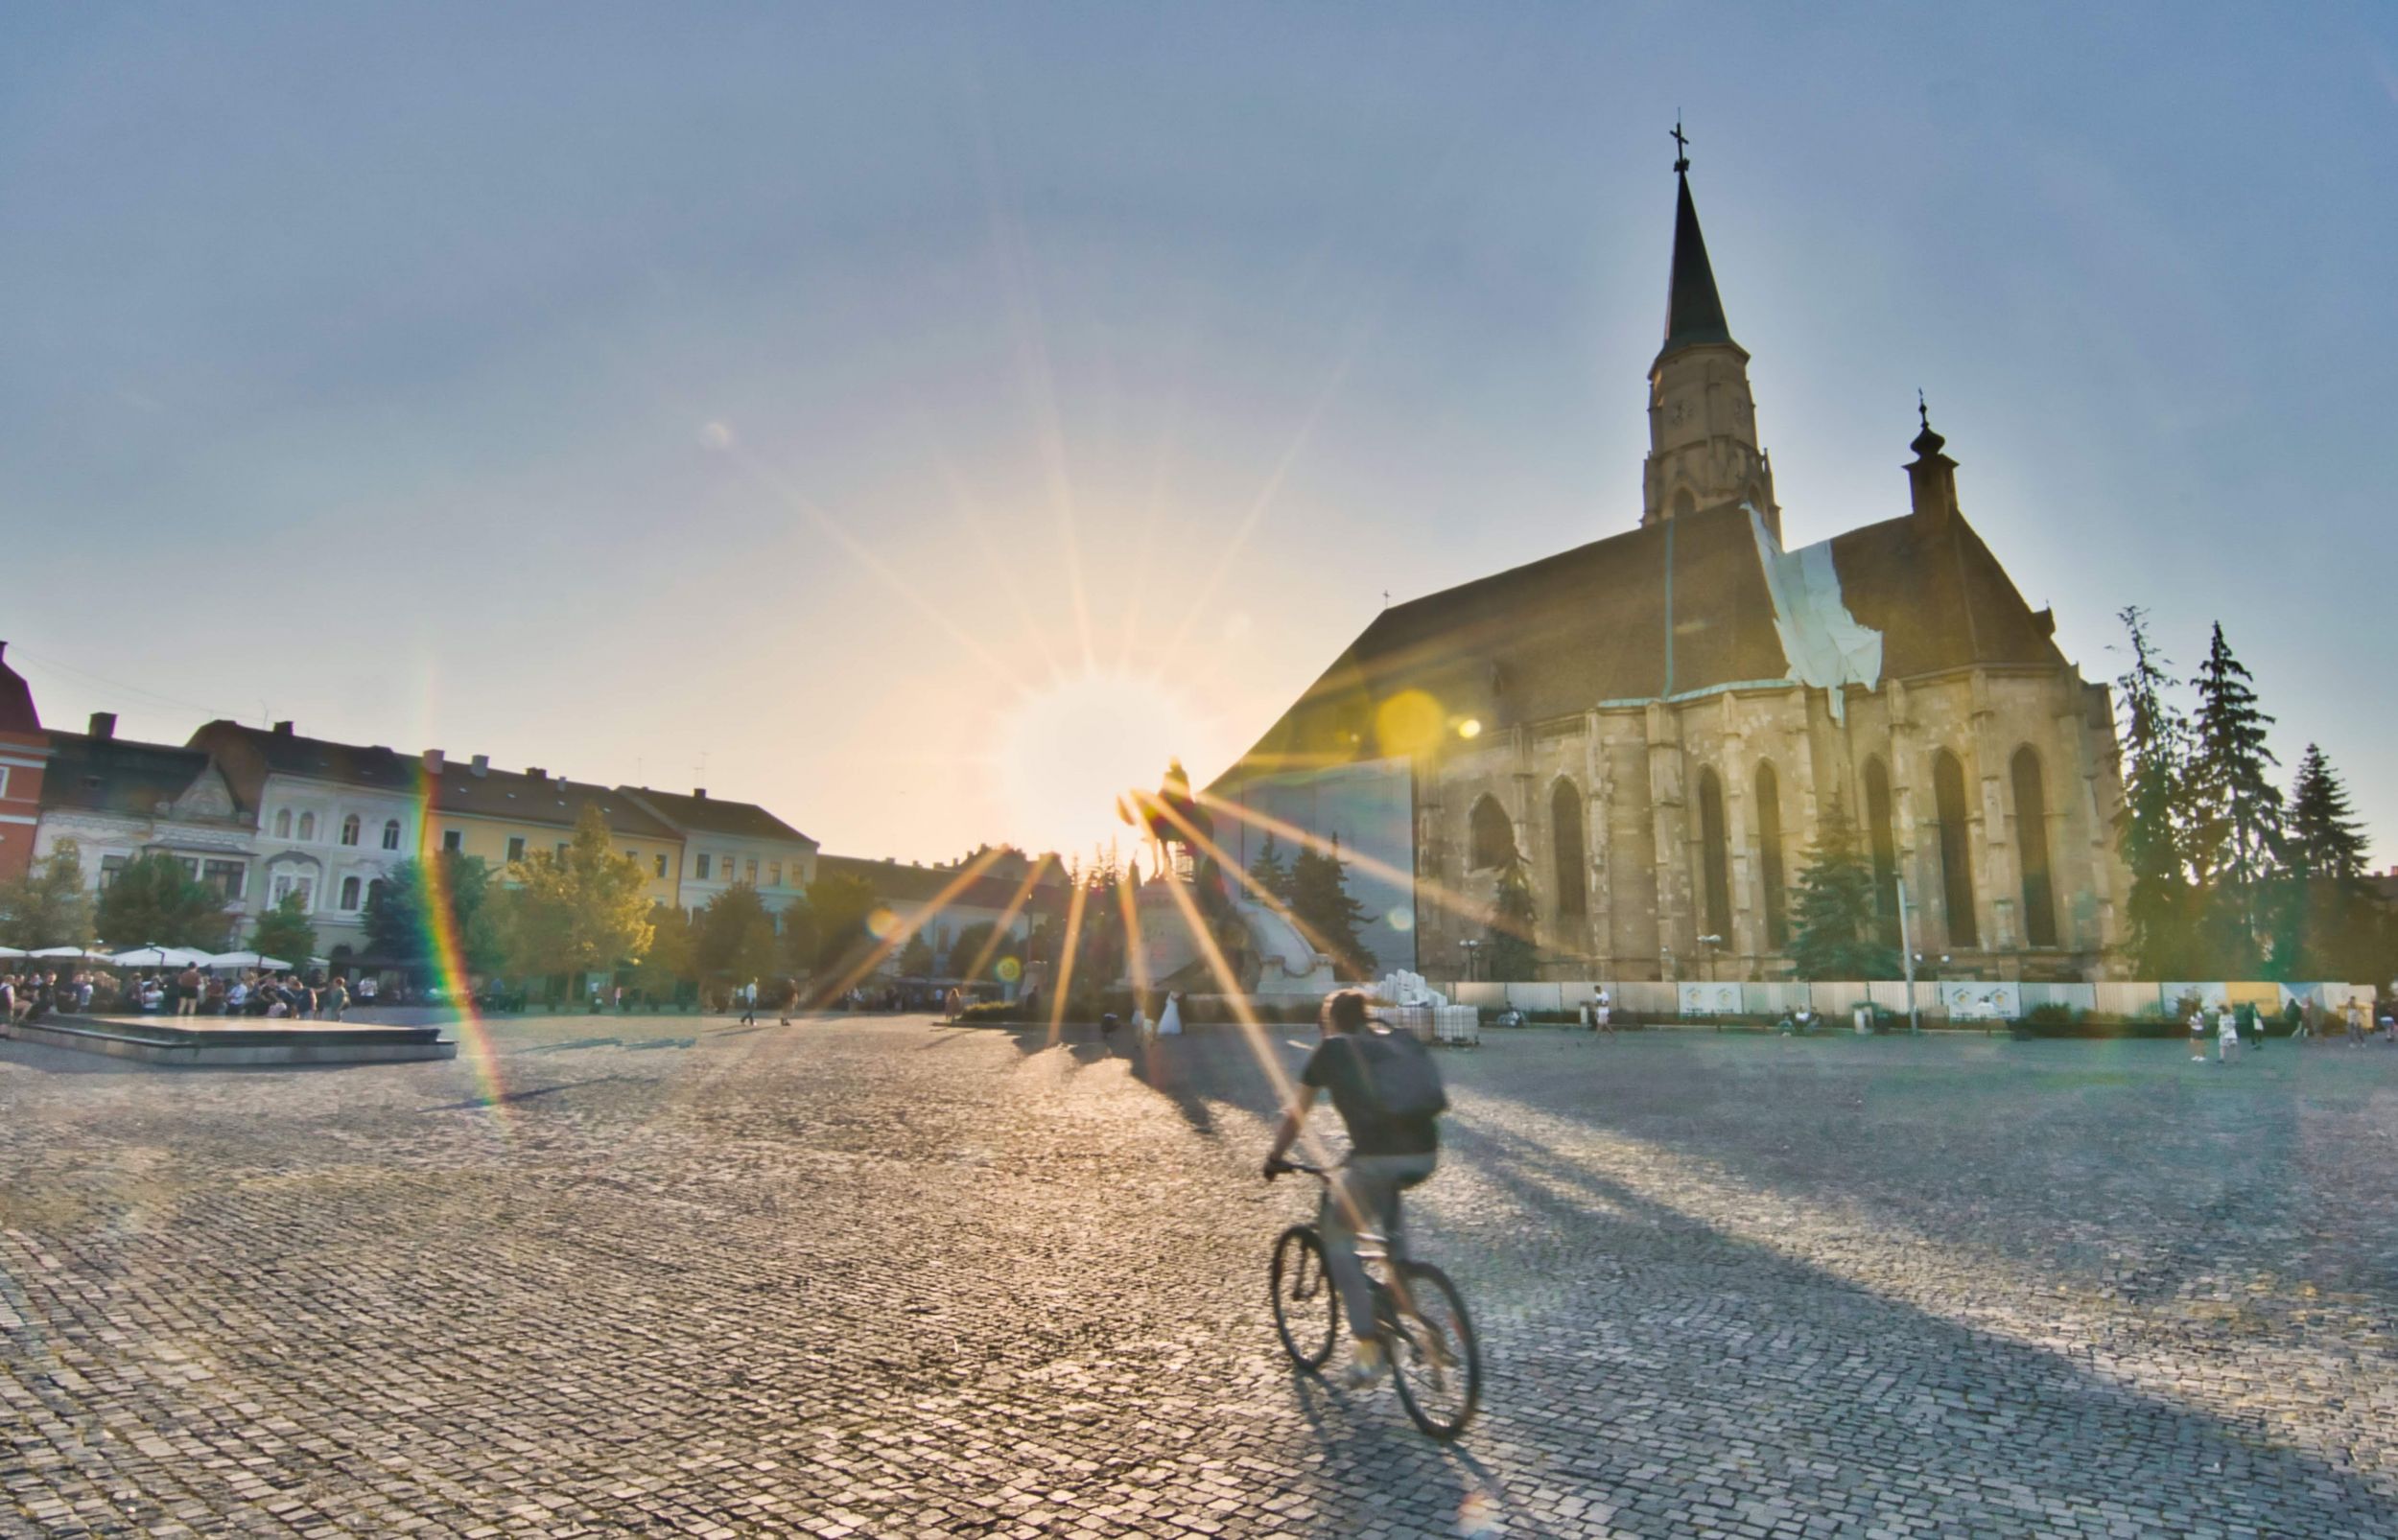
<point>1473,953</point>
<point>1711,942</point>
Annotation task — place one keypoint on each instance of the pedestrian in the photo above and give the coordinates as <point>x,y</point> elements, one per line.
<point>2356,1021</point>
<point>337,999</point>
<point>2226,1034</point>
<point>1602,1012</point>
<point>750,1003</point>
<point>187,991</point>
<point>2197,1035</point>
<point>368,990</point>
<point>2251,1024</point>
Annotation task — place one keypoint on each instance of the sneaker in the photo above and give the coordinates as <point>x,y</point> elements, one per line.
<point>1365,1368</point>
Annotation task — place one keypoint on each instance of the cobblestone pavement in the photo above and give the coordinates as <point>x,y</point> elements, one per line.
<point>881,1277</point>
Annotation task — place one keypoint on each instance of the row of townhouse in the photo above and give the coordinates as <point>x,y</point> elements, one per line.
<point>260,814</point>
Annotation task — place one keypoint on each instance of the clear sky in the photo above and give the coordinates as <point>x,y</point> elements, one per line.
<point>807,393</point>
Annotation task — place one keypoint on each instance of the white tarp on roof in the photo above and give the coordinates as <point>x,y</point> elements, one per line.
<point>1825,645</point>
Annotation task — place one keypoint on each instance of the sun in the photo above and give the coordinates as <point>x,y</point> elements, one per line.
<point>1066,755</point>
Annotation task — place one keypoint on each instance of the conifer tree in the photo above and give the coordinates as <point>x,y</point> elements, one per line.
<point>1834,930</point>
<point>1510,945</point>
<point>1325,914</point>
<point>2321,835</point>
<point>1270,871</point>
<point>2153,829</point>
<point>2236,832</point>
<point>48,907</point>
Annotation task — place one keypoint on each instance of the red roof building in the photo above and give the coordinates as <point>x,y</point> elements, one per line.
<point>24,756</point>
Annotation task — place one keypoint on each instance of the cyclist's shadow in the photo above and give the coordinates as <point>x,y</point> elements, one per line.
<point>1360,1429</point>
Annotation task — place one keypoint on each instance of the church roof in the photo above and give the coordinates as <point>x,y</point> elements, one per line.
<point>1663,610</point>
<point>17,702</point>
<point>1694,312</point>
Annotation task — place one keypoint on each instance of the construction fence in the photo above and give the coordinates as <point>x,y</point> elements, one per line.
<point>1953,1001</point>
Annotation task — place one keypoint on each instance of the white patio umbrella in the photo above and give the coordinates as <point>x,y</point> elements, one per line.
<point>161,957</point>
<point>11,951</point>
<point>82,954</point>
<point>247,960</point>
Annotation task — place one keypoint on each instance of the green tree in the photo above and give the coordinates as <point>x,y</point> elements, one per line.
<point>797,940</point>
<point>586,911</point>
<point>2237,828</point>
<point>1324,912</point>
<point>841,904</point>
<point>417,902</point>
<point>669,963</point>
<point>734,937</point>
<point>154,900</point>
<point>915,959</point>
<point>1270,871</point>
<point>284,933</point>
<point>1510,945</point>
<point>1834,931</point>
<point>2323,838</point>
<point>2152,831</point>
<point>49,906</point>
<point>968,947</point>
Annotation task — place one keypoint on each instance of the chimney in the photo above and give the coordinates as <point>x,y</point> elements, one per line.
<point>699,793</point>
<point>1932,476</point>
<point>432,761</point>
<point>103,724</point>
<point>482,765</point>
<point>283,730</point>
<point>536,772</point>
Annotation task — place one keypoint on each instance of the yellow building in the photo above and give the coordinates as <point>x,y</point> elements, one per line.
<point>504,816</point>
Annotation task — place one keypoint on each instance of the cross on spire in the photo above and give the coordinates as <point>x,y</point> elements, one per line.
<point>1681,146</point>
<point>1922,410</point>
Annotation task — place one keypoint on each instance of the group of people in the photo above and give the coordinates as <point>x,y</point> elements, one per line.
<point>2304,1016</point>
<point>26,997</point>
<point>31,996</point>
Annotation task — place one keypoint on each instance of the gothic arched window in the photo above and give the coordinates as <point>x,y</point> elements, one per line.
<point>308,827</point>
<point>391,834</point>
<point>1881,839</point>
<point>1770,848</point>
<point>1566,823</point>
<point>1948,795</point>
<point>1714,856</point>
<point>1684,503</point>
<point>2039,901</point>
<point>1491,840</point>
<point>283,824</point>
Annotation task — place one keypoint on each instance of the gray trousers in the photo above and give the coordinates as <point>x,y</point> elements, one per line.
<point>1367,1187</point>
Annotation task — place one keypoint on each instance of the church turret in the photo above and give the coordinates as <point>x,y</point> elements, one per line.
<point>1931,476</point>
<point>1702,420</point>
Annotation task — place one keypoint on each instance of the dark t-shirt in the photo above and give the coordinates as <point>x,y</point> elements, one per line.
<point>1335,1067</point>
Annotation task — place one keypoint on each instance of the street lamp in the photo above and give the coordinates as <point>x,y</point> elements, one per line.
<point>1711,943</point>
<point>1473,952</point>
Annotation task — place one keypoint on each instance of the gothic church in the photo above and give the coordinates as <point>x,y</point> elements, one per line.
<point>1655,722</point>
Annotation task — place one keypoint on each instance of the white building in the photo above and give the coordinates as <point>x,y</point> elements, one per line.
<point>119,800</point>
<point>333,819</point>
<point>729,841</point>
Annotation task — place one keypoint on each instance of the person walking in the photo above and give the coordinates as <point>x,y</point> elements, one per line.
<point>337,999</point>
<point>2197,1035</point>
<point>2356,1022</point>
<point>750,1003</point>
<point>187,991</point>
<point>2252,1023</point>
<point>1602,1012</point>
<point>2226,1034</point>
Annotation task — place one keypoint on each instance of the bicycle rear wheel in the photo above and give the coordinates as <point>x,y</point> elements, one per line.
<point>1435,1361</point>
<point>1306,1307</point>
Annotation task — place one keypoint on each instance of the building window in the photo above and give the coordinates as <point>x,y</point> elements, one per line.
<point>1948,795</point>
<point>189,865</point>
<point>1882,840</point>
<point>516,847</point>
<point>109,867</point>
<point>774,873</point>
<point>703,868</point>
<point>349,893</point>
<point>453,839</point>
<point>753,872</point>
<point>1714,858</point>
<point>308,827</point>
<point>283,824</point>
<point>1769,848</point>
<point>1491,836</point>
<point>4,780</point>
<point>391,834</point>
<point>350,830</point>
<point>288,883</point>
<point>2039,900</point>
<point>662,864</point>
<point>561,851</point>
<point>225,876</point>
<point>1566,822</point>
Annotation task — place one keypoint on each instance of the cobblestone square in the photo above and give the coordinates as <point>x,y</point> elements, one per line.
<point>881,1277</point>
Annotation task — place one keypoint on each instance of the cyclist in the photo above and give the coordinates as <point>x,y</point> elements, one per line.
<point>1388,1093</point>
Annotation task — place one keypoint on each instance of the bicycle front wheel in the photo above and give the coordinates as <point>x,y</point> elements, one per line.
<point>1306,1307</point>
<point>1435,1360</point>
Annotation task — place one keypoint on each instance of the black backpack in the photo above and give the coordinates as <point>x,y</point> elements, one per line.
<point>1399,1074</point>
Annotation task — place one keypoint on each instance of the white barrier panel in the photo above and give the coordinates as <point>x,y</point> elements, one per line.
<point>1709,999</point>
<point>1967,1000</point>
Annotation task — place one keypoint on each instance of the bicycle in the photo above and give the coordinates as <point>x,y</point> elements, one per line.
<point>1436,1362</point>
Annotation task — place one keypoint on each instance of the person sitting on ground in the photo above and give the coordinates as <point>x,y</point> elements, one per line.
<point>1388,1092</point>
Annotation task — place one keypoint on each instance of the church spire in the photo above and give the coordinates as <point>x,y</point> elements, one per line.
<point>1702,429</point>
<point>1694,312</point>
